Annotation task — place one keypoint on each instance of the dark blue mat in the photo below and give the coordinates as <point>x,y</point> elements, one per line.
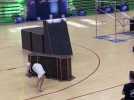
<point>112,39</point>
<point>118,40</point>
<point>102,37</point>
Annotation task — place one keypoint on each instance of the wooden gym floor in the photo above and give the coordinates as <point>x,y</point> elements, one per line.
<point>100,67</point>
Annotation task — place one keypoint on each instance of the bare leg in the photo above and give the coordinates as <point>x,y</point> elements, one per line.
<point>40,83</point>
<point>122,99</point>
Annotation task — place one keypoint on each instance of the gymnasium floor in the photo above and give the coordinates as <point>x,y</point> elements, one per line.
<point>100,67</point>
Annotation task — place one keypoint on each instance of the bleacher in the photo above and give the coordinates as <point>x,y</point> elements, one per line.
<point>8,11</point>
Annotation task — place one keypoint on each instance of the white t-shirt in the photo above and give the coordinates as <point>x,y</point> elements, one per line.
<point>38,68</point>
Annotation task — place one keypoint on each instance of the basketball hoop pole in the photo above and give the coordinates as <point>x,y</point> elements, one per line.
<point>115,14</point>
<point>96,7</point>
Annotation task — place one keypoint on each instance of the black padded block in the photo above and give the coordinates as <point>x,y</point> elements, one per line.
<point>56,68</point>
<point>26,35</point>
<point>26,39</point>
<point>133,48</point>
<point>64,69</point>
<point>38,40</point>
<point>132,24</point>
<point>56,38</point>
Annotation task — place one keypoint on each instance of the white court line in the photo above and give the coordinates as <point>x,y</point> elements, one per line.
<point>91,22</point>
<point>74,24</point>
<point>125,15</point>
<point>31,26</point>
<point>122,13</point>
<point>111,16</point>
<point>22,27</point>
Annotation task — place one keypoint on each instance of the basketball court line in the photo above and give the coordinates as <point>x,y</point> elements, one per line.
<point>122,13</point>
<point>29,26</point>
<point>22,27</point>
<point>76,24</point>
<point>125,15</point>
<point>71,23</point>
<point>98,91</point>
<point>12,68</point>
<point>91,22</point>
<point>110,15</point>
<point>94,92</point>
<point>82,80</point>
